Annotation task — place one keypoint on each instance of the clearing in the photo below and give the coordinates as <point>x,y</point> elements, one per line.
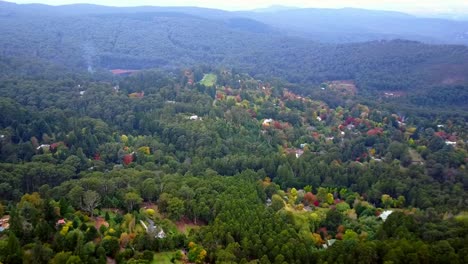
<point>164,258</point>
<point>185,225</point>
<point>343,87</point>
<point>209,79</point>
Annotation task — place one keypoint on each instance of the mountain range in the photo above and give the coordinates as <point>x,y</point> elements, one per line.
<point>323,25</point>
<point>378,50</point>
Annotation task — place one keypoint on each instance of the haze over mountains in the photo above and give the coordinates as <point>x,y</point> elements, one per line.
<point>325,25</point>
<point>376,49</point>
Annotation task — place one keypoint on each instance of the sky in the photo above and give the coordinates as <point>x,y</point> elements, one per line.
<point>409,6</point>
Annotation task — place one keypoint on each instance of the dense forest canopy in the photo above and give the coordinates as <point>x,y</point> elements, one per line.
<point>172,137</point>
<point>184,37</point>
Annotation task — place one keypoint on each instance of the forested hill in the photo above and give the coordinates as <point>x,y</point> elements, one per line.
<point>206,165</point>
<point>325,25</point>
<point>181,37</point>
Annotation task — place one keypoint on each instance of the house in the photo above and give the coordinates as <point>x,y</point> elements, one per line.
<point>43,147</point>
<point>450,143</point>
<point>267,121</point>
<point>123,72</point>
<point>4,223</point>
<point>294,151</point>
<point>329,243</point>
<point>61,222</point>
<point>384,215</point>
<point>161,234</point>
<point>137,95</point>
<point>299,153</point>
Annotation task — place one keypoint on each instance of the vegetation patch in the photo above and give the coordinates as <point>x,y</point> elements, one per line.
<point>209,79</point>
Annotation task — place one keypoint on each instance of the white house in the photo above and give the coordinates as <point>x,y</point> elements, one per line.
<point>384,215</point>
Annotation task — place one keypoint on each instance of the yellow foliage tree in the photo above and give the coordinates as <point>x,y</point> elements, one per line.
<point>124,139</point>
<point>318,241</point>
<point>34,199</point>
<point>145,150</point>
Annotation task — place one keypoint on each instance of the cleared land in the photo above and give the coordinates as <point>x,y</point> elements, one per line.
<point>209,79</point>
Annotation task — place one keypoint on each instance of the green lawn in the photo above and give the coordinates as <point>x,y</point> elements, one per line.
<point>164,258</point>
<point>208,79</point>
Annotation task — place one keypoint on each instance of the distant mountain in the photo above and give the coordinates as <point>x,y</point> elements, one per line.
<point>86,36</point>
<point>352,25</point>
<point>274,8</point>
<point>450,16</point>
<point>323,25</point>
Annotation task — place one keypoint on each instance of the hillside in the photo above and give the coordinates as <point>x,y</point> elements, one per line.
<point>190,164</point>
<point>324,25</point>
<point>83,36</point>
<point>353,25</point>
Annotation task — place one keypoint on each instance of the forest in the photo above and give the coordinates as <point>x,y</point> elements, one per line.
<point>182,38</point>
<point>191,135</point>
<point>212,165</point>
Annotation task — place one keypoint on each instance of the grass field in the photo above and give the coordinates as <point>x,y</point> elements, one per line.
<point>208,79</point>
<point>164,258</point>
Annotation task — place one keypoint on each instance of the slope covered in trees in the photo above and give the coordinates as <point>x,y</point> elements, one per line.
<point>96,166</point>
<point>183,37</point>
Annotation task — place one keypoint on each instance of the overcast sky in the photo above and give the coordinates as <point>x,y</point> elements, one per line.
<point>412,6</point>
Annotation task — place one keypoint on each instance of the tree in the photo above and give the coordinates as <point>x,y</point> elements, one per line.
<point>41,254</point>
<point>131,199</point>
<point>293,196</point>
<point>111,245</point>
<point>387,200</point>
<point>309,198</point>
<point>350,235</point>
<point>277,202</point>
<point>90,201</point>
<point>333,220</point>
<point>175,208</point>
<point>74,260</point>
<point>322,194</point>
<point>13,250</point>
<point>60,258</point>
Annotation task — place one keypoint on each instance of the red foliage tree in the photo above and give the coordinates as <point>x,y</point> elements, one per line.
<point>309,198</point>
<point>277,125</point>
<point>127,159</point>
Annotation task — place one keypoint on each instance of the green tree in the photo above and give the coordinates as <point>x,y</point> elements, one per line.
<point>175,208</point>
<point>131,200</point>
<point>90,201</point>
<point>14,253</point>
<point>277,202</point>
